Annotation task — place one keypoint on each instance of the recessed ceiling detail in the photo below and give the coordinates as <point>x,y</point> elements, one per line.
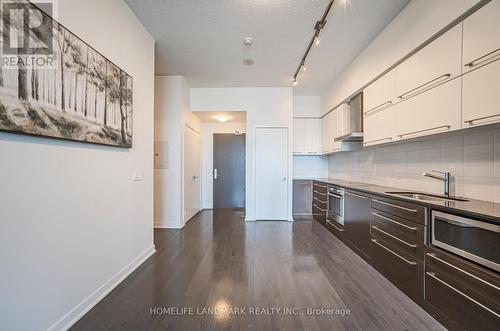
<point>203,40</point>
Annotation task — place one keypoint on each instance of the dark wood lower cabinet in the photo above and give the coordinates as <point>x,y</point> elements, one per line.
<point>357,215</point>
<point>402,270</point>
<point>391,235</point>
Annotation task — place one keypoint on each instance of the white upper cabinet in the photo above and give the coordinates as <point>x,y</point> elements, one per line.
<point>299,136</point>
<point>481,52</point>
<point>434,111</point>
<point>327,143</point>
<point>481,36</point>
<point>379,126</point>
<point>312,135</point>
<point>434,64</point>
<point>380,94</point>
<point>307,136</point>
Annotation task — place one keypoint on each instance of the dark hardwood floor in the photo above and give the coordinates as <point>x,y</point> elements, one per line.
<point>219,260</point>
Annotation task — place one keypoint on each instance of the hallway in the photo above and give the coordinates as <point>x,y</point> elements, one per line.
<point>273,271</point>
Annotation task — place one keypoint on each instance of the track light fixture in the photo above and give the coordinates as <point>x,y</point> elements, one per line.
<point>314,40</point>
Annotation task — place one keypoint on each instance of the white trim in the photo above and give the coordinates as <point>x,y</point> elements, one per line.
<point>74,315</point>
<point>249,219</point>
<point>167,225</point>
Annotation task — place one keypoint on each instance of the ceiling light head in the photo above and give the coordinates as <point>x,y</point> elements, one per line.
<point>221,118</point>
<point>248,62</point>
<point>248,41</point>
<point>294,82</point>
<point>303,67</point>
<point>317,40</point>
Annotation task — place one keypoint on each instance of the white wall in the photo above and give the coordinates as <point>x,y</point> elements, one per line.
<point>264,107</point>
<point>172,112</point>
<point>416,23</point>
<point>472,157</point>
<point>72,221</point>
<point>306,166</point>
<point>208,130</point>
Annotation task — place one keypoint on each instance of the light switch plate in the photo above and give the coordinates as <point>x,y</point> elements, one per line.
<point>138,176</point>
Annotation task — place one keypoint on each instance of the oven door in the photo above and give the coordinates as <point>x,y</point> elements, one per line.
<point>474,240</point>
<point>336,205</point>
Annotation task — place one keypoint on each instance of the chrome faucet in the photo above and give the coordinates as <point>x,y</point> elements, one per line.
<point>445,177</point>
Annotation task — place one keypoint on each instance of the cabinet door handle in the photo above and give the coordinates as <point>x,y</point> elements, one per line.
<point>356,195</point>
<point>394,253</point>
<point>416,89</point>
<point>394,237</point>
<point>378,108</point>
<point>473,62</point>
<point>447,127</point>
<point>366,143</point>
<point>433,256</point>
<point>319,208</point>
<point>395,222</point>
<point>336,227</point>
<point>480,118</point>
<point>433,275</point>
<point>395,206</point>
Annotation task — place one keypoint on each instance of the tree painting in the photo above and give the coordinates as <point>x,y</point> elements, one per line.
<point>82,97</point>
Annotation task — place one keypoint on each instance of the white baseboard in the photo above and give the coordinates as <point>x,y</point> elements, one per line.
<point>167,225</point>
<point>68,320</point>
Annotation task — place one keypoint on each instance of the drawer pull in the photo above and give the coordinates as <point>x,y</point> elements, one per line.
<point>473,62</point>
<point>394,253</point>
<point>324,194</point>
<point>393,221</point>
<point>319,208</point>
<point>471,122</point>
<point>319,200</point>
<point>447,127</point>
<point>394,237</point>
<point>418,88</point>
<point>378,108</point>
<point>433,275</point>
<point>432,255</point>
<point>336,227</point>
<point>396,206</point>
<point>356,195</point>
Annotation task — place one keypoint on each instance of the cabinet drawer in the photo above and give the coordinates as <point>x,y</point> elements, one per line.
<point>402,270</point>
<point>460,304</point>
<point>319,188</point>
<point>337,229</point>
<point>402,209</point>
<point>319,202</point>
<point>407,236</point>
<point>318,214</point>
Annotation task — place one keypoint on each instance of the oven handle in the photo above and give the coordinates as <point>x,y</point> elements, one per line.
<point>336,196</point>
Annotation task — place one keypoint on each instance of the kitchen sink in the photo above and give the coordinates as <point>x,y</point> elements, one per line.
<point>426,196</point>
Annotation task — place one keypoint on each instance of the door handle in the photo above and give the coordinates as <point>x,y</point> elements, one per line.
<point>283,179</point>
<point>216,174</point>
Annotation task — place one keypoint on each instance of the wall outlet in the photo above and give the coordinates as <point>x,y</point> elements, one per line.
<point>138,176</point>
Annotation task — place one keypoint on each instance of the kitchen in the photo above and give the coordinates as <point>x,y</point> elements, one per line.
<point>254,165</point>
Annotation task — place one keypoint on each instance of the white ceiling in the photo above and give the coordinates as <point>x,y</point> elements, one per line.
<point>231,116</point>
<point>203,39</point>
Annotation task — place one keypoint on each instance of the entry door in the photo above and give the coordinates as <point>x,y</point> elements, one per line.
<point>271,173</point>
<point>192,172</point>
<point>229,171</point>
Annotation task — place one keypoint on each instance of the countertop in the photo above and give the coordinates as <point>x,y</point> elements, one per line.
<point>486,210</point>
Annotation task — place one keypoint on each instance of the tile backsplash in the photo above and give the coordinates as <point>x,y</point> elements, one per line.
<point>473,158</point>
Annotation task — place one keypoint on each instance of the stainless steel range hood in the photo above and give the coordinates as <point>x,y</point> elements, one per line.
<point>352,126</point>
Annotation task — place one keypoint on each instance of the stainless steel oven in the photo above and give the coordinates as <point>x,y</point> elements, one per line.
<point>474,240</point>
<point>335,204</point>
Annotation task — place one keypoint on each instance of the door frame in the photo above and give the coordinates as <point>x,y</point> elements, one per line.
<point>183,163</point>
<point>288,172</point>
